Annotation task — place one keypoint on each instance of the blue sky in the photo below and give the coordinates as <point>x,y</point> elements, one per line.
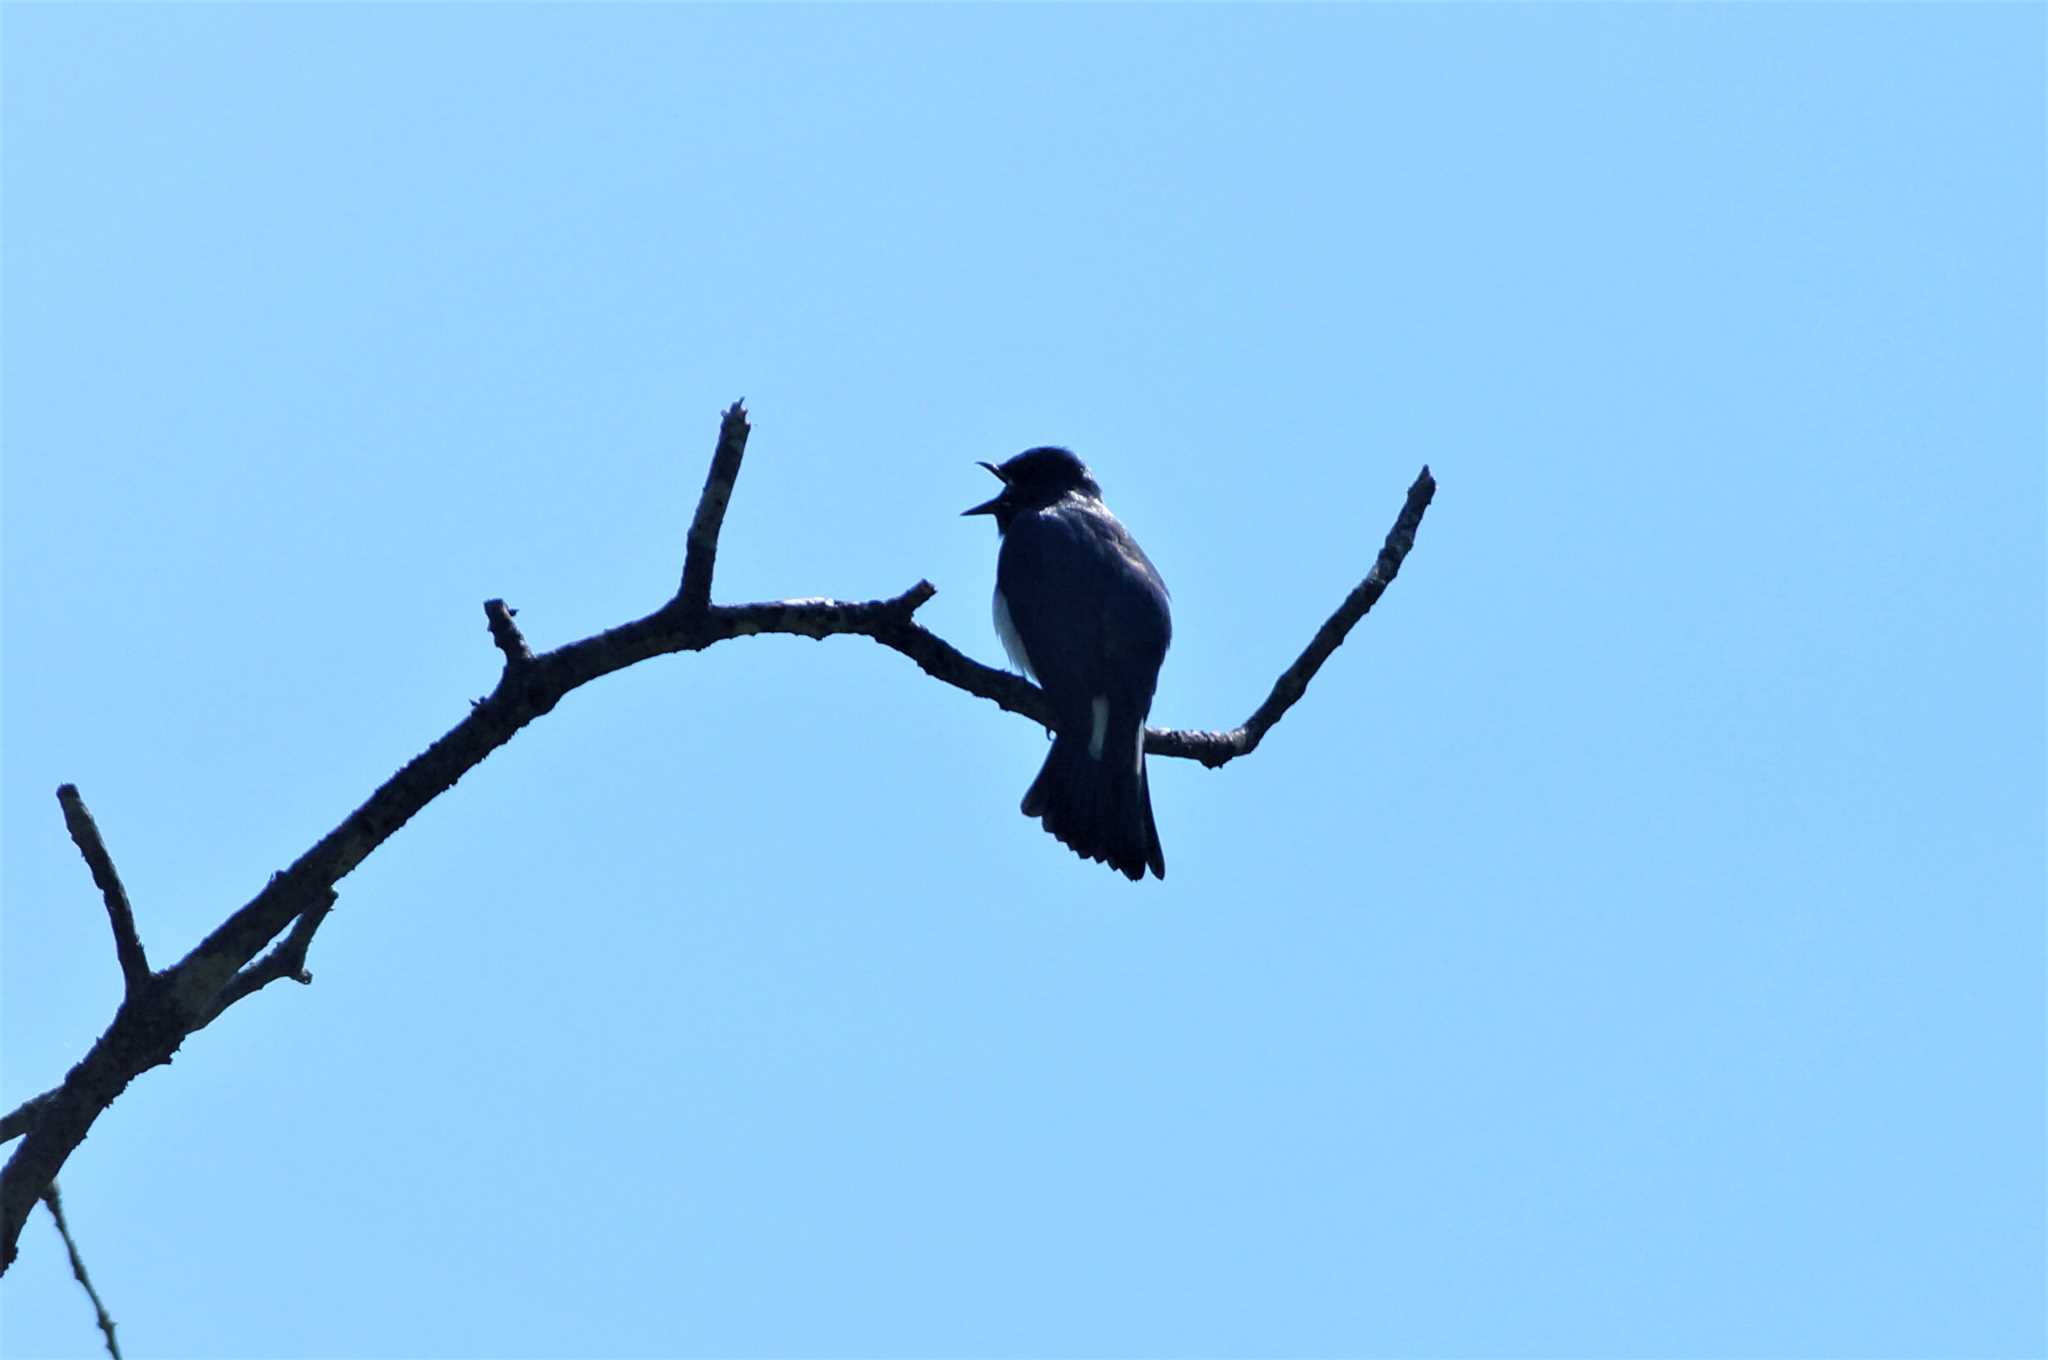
<point>1633,944</point>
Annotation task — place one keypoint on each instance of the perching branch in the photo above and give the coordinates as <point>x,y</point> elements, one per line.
<point>1215,748</point>
<point>161,1010</point>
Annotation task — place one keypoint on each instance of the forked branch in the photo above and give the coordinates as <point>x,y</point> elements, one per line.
<point>160,1010</point>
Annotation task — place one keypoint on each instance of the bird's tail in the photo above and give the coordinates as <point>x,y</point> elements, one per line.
<point>1099,806</point>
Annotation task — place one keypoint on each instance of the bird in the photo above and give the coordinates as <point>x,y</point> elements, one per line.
<point>1082,610</point>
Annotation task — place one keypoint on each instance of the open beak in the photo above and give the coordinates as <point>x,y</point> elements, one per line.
<point>988,507</point>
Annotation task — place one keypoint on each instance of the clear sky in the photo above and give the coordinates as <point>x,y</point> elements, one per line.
<point>1632,946</point>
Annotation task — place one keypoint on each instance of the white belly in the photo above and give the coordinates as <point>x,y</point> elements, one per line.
<point>1007,631</point>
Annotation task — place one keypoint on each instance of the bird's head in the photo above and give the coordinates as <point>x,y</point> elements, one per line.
<point>1033,480</point>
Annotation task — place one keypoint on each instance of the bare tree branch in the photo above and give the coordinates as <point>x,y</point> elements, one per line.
<point>1215,748</point>
<point>701,553</point>
<point>23,1117</point>
<point>505,633</point>
<point>160,1012</point>
<point>56,1206</point>
<point>286,959</point>
<point>86,835</point>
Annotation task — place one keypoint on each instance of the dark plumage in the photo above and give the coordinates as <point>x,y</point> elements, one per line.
<point>1082,610</point>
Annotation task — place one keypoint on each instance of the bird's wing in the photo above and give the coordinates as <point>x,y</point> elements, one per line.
<point>1087,605</point>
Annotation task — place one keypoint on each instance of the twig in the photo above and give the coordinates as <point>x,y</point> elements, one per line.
<point>56,1207</point>
<point>23,1117</point>
<point>701,552</point>
<point>150,1025</point>
<point>286,959</point>
<point>1216,748</point>
<point>506,634</point>
<point>127,944</point>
